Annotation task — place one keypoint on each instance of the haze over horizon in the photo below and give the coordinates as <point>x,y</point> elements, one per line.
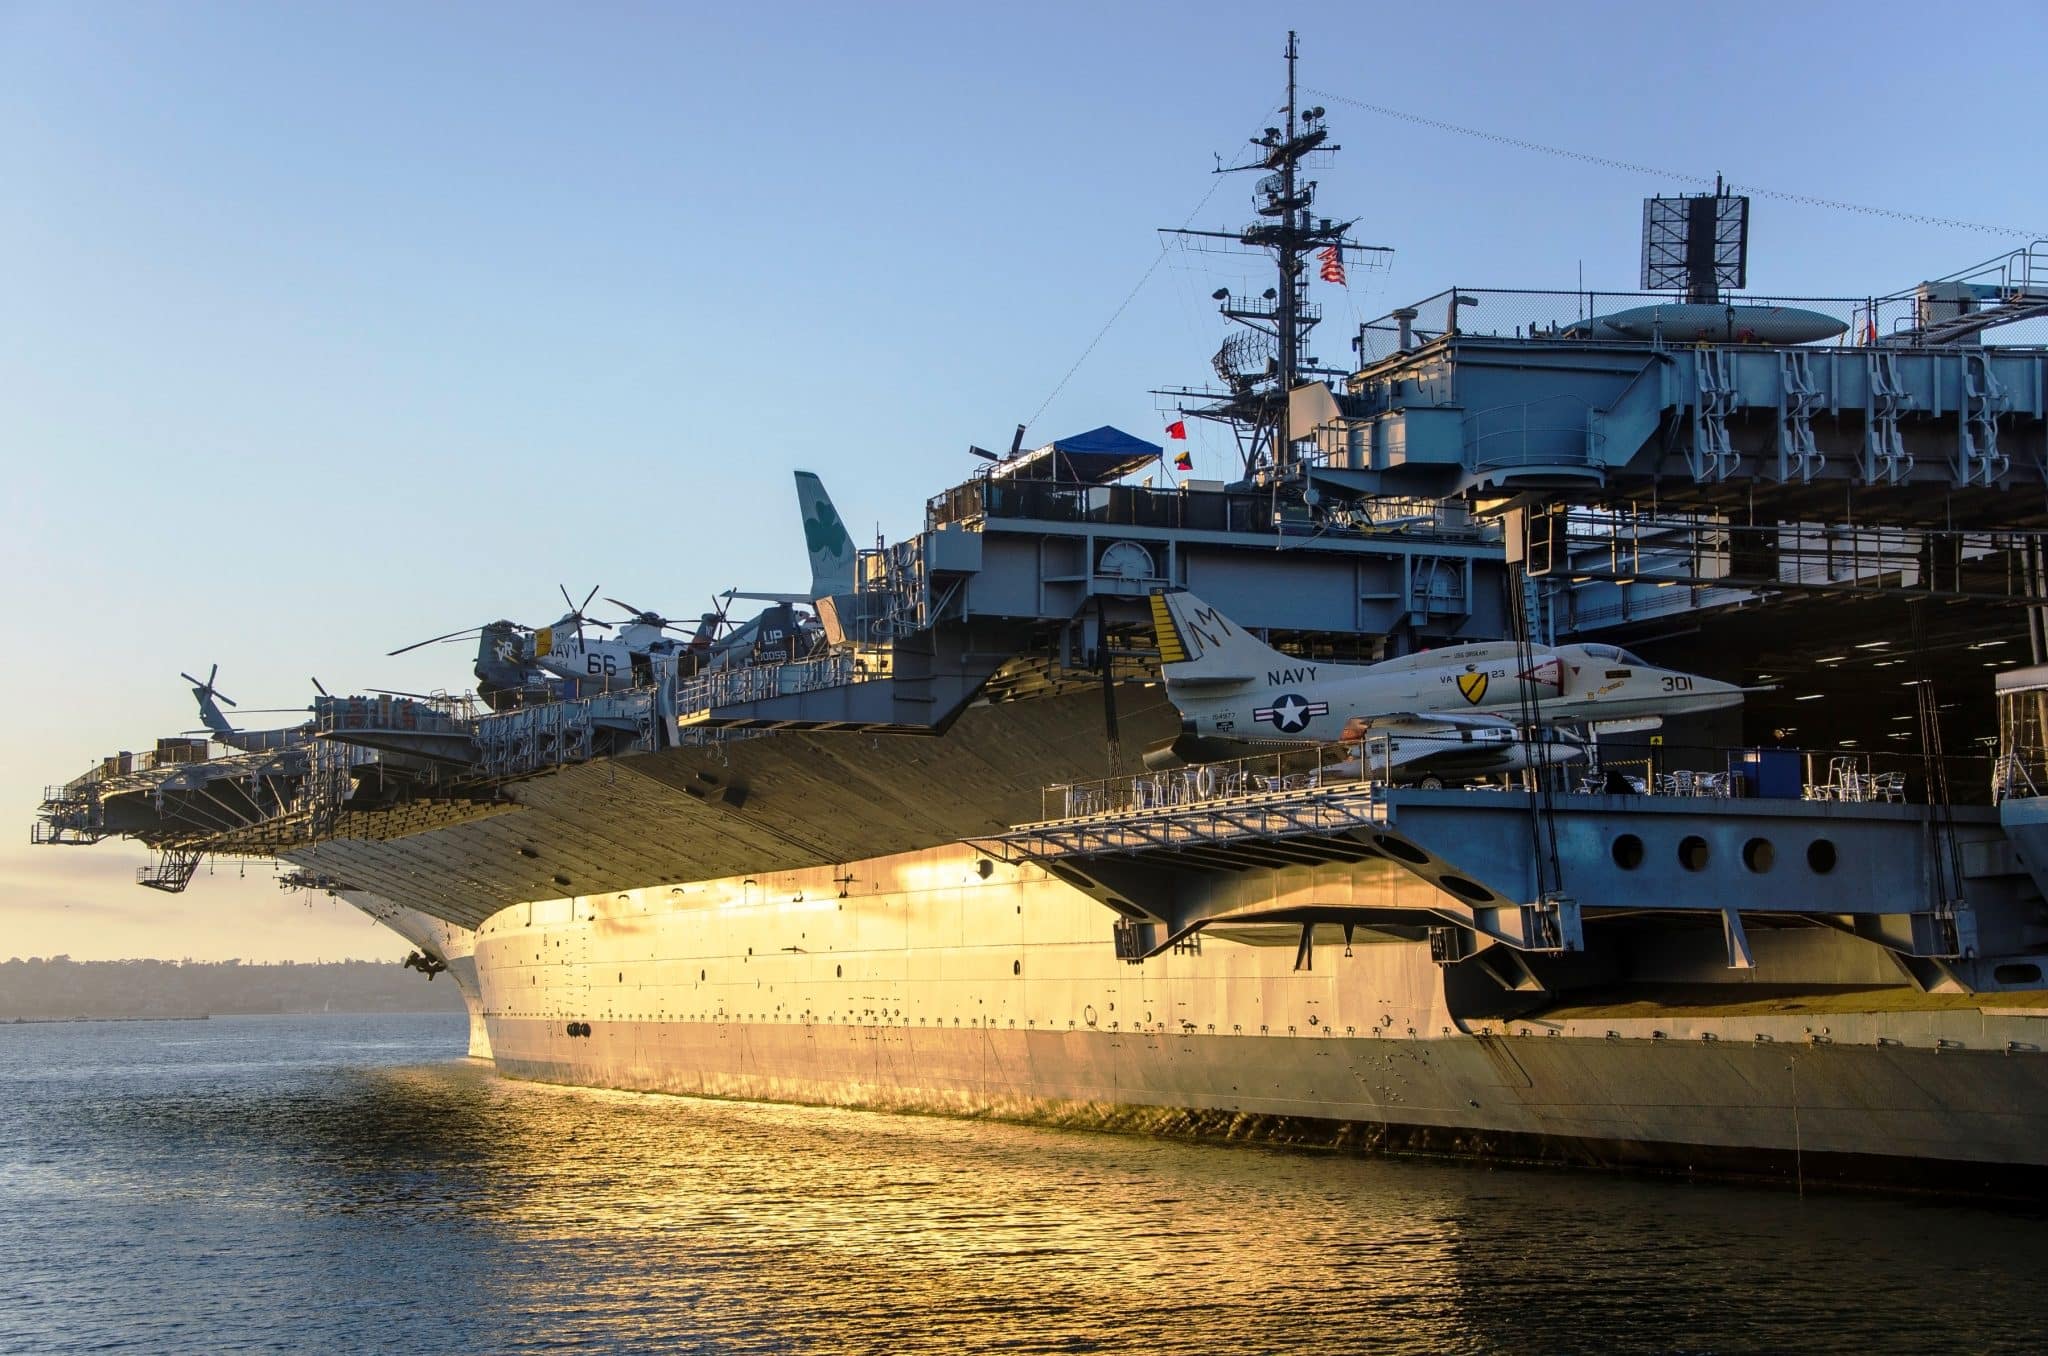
<point>334,329</point>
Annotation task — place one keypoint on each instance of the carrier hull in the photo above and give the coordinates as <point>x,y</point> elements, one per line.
<point>1860,1116</point>
<point>931,983</point>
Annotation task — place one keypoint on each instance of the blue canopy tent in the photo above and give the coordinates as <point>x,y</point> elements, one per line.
<point>1097,457</point>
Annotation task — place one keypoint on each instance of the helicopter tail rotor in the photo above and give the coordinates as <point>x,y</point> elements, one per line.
<point>206,689</point>
<point>711,623</point>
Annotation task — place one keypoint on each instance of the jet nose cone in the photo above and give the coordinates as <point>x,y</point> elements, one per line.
<point>1712,694</point>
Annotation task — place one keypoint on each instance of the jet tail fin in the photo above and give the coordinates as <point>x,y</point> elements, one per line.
<point>825,537</point>
<point>1200,647</point>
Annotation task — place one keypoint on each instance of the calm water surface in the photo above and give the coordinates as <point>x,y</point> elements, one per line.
<point>350,1183</point>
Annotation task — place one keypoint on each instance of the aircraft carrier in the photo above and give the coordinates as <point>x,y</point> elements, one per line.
<point>937,837</point>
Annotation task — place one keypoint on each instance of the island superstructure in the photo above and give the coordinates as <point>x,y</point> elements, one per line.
<point>936,837</point>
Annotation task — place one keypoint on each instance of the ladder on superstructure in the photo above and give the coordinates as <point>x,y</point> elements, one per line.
<point>2022,295</point>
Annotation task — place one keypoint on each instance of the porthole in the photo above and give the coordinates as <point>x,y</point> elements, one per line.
<point>1469,891</point>
<point>1627,852</point>
<point>838,972</point>
<point>1016,967</point>
<point>1820,856</point>
<point>2018,973</point>
<point>1395,847</point>
<point>1692,852</point>
<point>1758,854</point>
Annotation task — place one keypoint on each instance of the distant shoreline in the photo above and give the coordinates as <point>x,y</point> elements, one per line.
<point>163,1017</point>
<point>210,1016</point>
<point>61,989</point>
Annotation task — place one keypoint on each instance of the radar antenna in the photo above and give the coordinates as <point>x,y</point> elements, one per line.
<point>1698,244</point>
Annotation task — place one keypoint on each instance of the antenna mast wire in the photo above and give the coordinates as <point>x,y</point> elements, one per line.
<point>1125,305</point>
<point>1631,167</point>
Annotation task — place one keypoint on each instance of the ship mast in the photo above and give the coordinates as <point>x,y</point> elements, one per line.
<point>1270,357</point>
<point>1294,319</point>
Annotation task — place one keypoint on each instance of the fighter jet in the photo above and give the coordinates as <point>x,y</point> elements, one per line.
<point>1460,710</point>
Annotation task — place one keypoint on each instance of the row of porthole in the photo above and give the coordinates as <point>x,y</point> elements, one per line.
<point>1758,854</point>
<point>1137,1028</point>
<point>1030,1023</point>
<point>2008,974</point>
<point>839,971</point>
<point>1470,891</point>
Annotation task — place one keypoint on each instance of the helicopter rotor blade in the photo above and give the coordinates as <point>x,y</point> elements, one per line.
<point>588,596</point>
<point>452,635</point>
<point>320,689</point>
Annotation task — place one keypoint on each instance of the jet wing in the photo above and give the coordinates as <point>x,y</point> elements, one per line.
<point>1431,720</point>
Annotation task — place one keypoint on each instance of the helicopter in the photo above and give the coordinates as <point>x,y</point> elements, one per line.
<point>506,676</point>
<point>563,649</point>
<point>628,656</point>
<point>323,711</point>
<point>216,724</point>
<point>520,665</point>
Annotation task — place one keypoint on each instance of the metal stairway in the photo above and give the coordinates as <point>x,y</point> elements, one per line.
<point>2021,294</point>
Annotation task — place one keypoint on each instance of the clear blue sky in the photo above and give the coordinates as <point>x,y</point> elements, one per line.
<point>330,329</point>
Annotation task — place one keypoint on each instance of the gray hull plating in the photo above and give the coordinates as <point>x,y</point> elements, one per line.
<point>1627,1101</point>
<point>939,982</point>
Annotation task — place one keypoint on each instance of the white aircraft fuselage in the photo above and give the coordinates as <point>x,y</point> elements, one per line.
<point>1227,683</point>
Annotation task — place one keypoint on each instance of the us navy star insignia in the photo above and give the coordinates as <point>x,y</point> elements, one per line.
<point>1290,714</point>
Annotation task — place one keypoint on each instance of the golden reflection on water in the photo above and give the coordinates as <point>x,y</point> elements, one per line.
<point>860,1230</point>
<point>748,1225</point>
<point>308,1185</point>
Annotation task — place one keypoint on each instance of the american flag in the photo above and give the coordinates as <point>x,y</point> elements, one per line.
<point>1333,265</point>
